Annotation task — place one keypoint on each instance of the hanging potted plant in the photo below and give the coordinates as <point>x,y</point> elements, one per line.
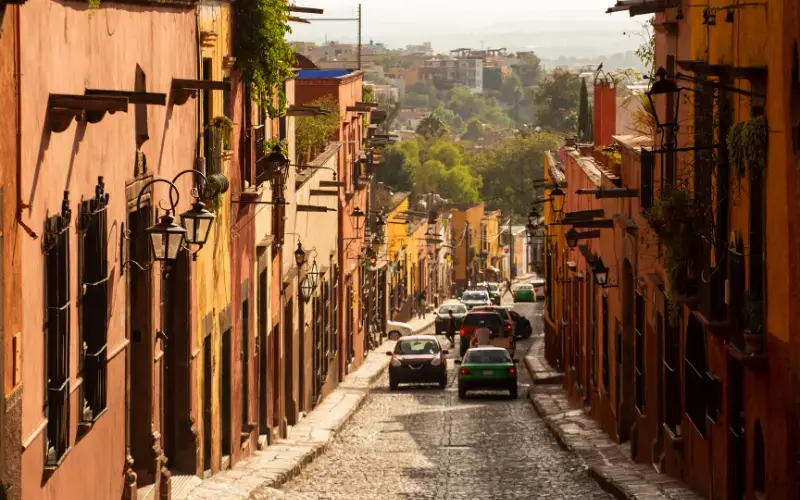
<point>747,146</point>
<point>225,127</point>
<point>753,324</point>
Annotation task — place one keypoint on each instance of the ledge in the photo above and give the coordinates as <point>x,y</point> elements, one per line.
<point>752,361</point>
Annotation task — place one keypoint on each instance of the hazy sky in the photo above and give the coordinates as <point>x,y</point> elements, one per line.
<point>444,22</point>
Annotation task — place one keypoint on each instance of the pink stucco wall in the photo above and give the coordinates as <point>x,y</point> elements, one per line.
<point>65,50</point>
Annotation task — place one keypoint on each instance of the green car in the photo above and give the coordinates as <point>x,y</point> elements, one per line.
<point>524,293</point>
<point>487,368</point>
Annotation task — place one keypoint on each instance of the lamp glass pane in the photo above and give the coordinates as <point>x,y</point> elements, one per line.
<point>174,241</point>
<point>157,241</point>
<point>203,230</point>
<point>191,226</point>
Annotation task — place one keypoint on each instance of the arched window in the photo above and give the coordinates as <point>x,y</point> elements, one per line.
<point>759,466</point>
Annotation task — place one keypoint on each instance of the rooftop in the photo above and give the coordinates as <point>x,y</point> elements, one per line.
<point>307,74</point>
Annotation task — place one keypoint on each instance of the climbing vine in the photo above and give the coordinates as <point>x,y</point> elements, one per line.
<point>673,217</point>
<point>262,52</point>
<point>225,126</point>
<point>747,146</point>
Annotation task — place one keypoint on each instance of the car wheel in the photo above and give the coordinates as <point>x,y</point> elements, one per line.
<point>443,381</point>
<point>462,391</point>
<point>513,391</point>
<point>394,335</point>
<point>392,385</point>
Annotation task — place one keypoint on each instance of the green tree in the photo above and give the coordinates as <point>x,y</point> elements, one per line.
<point>492,78</point>
<point>314,132</point>
<point>556,102</point>
<point>584,129</point>
<point>425,88</point>
<point>474,130</point>
<point>529,69</point>
<point>460,185</point>
<point>507,170</point>
<point>431,127</point>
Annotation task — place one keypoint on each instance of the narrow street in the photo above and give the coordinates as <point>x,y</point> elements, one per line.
<point>425,443</point>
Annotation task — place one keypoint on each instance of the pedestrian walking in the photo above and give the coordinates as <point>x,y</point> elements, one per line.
<point>421,304</point>
<point>451,329</point>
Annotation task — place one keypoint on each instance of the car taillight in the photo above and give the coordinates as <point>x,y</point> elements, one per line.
<point>464,371</point>
<point>512,371</point>
<point>461,332</point>
<point>511,342</point>
<point>508,327</point>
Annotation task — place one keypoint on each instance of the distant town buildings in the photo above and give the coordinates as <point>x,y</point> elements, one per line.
<point>463,71</point>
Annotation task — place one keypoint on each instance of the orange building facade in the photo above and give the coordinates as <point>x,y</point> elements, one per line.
<point>689,352</point>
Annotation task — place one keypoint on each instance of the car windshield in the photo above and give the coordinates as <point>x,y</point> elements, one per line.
<point>475,295</point>
<point>538,283</point>
<point>454,308</point>
<point>416,347</point>
<point>488,356</point>
<point>491,320</point>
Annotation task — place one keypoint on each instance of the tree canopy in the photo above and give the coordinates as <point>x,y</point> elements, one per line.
<point>556,102</point>
<point>313,132</point>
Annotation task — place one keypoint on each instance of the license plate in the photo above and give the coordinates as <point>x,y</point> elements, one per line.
<point>488,372</point>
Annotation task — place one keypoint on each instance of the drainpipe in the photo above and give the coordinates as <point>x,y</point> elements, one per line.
<point>199,74</point>
<point>18,81</point>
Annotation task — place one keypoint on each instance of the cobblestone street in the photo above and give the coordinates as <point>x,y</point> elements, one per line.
<point>425,443</point>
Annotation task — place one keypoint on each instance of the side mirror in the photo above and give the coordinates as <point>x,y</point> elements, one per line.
<point>457,361</point>
<point>445,351</point>
<point>389,353</point>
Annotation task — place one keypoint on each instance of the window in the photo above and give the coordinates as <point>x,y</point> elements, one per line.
<point>592,330</point>
<point>640,362</point>
<point>694,374</point>
<point>333,345</point>
<point>606,368</point>
<point>319,349</point>
<point>673,403</point>
<point>93,306</point>
<point>57,338</point>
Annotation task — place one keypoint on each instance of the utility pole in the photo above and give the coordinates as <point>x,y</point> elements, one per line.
<point>511,244</point>
<point>359,36</point>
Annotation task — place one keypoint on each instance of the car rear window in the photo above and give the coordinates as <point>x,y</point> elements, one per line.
<point>416,347</point>
<point>491,319</point>
<point>488,356</point>
<point>456,308</point>
<point>475,296</point>
<point>499,310</point>
<point>524,287</point>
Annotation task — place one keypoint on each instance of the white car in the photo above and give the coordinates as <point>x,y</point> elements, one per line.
<point>397,329</point>
<point>538,288</point>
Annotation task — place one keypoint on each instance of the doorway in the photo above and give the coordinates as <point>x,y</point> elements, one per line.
<point>263,356</point>
<point>140,330</point>
<point>625,356</point>
<point>288,363</point>
<point>225,393</point>
<point>179,444</point>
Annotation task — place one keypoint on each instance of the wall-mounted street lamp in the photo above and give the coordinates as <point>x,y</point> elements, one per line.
<point>357,218</point>
<point>664,86</point>
<point>299,255</point>
<point>557,197</point>
<point>167,238</point>
<point>600,272</point>
<point>278,170</point>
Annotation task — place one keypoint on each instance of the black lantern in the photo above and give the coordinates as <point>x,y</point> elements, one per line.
<point>664,86</point>
<point>572,238</point>
<point>299,255</point>
<point>533,217</point>
<point>313,274</point>
<point>557,196</point>
<point>600,273</point>
<point>197,222</point>
<point>380,226</point>
<point>357,218</point>
<point>166,239</point>
<point>278,166</point>
<point>306,288</point>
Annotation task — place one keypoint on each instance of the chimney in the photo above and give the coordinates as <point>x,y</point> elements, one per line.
<point>605,111</point>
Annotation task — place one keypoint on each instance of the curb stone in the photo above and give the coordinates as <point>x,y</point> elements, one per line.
<point>611,468</point>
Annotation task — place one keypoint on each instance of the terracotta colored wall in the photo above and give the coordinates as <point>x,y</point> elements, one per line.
<point>605,112</point>
<point>94,52</point>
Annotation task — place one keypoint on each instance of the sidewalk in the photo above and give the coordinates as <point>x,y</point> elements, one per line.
<point>607,462</point>
<point>280,462</point>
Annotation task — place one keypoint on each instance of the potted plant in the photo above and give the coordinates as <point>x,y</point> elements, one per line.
<point>753,324</point>
<point>225,126</point>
